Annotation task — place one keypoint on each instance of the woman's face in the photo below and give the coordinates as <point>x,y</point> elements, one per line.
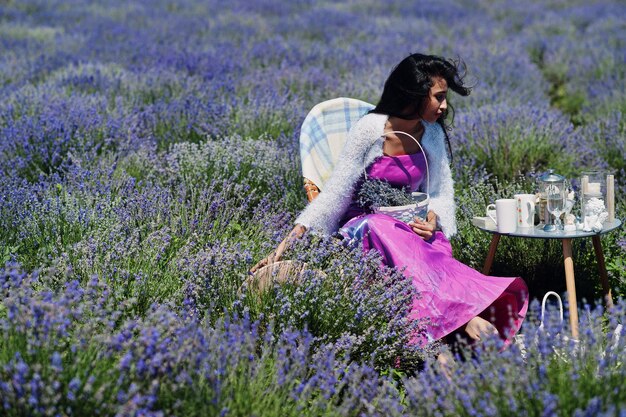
<point>436,104</point>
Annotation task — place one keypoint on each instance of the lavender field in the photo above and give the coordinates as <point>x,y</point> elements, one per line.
<point>149,158</point>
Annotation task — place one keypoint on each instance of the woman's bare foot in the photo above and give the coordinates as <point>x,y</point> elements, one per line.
<point>479,327</point>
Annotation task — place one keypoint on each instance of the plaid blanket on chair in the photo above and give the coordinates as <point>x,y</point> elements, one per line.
<point>323,135</point>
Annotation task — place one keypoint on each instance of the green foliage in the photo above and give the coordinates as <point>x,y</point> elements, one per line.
<point>563,96</point>
<point>516,151</point>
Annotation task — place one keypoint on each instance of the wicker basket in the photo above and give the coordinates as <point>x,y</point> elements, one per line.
<point>408,212</point>
<point>279,272</point>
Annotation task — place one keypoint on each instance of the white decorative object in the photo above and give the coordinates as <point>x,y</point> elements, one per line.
<point>483,222</point>
<point>569,220</point>
<point>597,200</point>
<point>610,197</point>
<point>593,188</point>
<point>594,214</point>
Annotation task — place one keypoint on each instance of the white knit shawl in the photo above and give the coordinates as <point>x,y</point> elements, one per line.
<point>363,145</point>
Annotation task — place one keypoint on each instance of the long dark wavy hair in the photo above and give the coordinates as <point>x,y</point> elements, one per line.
<point>409,83</point>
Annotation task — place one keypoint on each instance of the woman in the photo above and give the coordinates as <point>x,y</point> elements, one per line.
<point>455,297</point>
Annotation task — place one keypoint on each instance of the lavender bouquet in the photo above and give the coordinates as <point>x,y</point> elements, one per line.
<point>381,197</point>
<point>376,193</point>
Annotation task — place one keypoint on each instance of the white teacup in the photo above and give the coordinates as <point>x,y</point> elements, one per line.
<point>506,215</point>
<point>525,204</point>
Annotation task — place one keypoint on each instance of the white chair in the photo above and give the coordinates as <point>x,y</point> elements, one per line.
<point>322,137</point>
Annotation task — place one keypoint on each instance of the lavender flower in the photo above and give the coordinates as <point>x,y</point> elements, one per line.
<point>379,193</point>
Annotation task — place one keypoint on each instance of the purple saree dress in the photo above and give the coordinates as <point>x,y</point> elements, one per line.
<point>450,293</point>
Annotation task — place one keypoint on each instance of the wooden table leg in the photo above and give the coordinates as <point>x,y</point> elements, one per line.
<point>604,278</point>
<point>492,253</point>
<point>571,286</point>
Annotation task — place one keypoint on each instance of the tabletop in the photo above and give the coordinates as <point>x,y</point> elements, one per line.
<point>538,233</point>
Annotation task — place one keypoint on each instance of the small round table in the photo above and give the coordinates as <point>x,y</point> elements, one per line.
<point>566,238</point>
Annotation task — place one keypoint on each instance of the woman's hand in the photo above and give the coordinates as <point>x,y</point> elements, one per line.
<point>425,229</point>
<point>277,255</point>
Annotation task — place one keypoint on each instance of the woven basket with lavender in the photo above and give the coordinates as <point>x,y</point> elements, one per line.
<point>381,197</point>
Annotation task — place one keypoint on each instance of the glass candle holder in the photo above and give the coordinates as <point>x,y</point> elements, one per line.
<point>597,197</point>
